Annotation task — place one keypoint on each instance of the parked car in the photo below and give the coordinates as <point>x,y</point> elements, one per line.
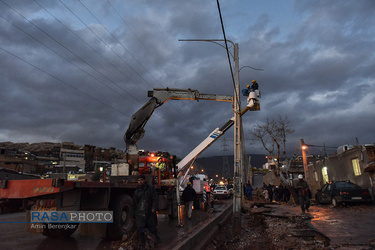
<point>342,192</point>
<point>221,191</point>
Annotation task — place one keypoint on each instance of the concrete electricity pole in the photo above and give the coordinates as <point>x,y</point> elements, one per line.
<point>238,163</point>
<point>238,149</point>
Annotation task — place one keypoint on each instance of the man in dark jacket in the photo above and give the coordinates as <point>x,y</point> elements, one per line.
<point>188,196</point>
<point>144,206</point>
<point>303,193</point>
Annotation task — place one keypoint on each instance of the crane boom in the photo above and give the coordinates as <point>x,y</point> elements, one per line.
<point>183,167</point>
<point>139,119</point>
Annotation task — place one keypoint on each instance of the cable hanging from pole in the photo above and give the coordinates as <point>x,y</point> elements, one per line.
<point>226,44</point>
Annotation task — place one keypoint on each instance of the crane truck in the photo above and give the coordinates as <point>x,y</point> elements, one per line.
<point>116,195</point>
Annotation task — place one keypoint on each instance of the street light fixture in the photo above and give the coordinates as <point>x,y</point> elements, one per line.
<point>250,68</point>
<point>304,158</point>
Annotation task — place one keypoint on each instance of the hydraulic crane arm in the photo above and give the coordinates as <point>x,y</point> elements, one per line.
<point>183,167</point>
<point>158,96</point>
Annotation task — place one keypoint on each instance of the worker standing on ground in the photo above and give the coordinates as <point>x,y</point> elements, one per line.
<point>303,193</point>
<point>144,206</point>
<point>162,166</point>
<point>188,196</point>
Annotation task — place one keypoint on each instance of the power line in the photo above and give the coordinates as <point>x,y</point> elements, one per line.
<point>226,44</point>
<point>124,49</point>
<point>103,40</point>
<point>139,40</point>
<point>114,66</point>
<point>58,79</point>
<point>54,51</point>
<point>228,54</point>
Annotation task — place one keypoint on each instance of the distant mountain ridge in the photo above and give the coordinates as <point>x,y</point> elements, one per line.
<point>213,166</point>
<point>32,147</point>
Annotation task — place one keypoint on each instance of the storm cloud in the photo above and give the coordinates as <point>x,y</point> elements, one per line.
<point>77,70</point>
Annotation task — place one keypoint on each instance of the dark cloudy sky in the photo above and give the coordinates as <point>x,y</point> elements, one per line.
<point>77,70</point>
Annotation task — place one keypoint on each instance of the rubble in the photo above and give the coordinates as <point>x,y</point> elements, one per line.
<point>261,231</point>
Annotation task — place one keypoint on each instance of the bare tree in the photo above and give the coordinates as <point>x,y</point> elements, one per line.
<point>272,134</point>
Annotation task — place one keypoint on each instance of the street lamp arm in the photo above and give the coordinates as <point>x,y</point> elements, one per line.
<point>211,41</point>
<point>250,68</point>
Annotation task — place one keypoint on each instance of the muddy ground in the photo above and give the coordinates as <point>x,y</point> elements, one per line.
<point>259,231</point>
<point>263,230</point>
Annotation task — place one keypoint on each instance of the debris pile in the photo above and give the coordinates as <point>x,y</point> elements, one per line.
<point>260,231</point>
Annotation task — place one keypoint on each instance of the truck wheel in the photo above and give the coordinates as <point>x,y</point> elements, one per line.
<point>122,221</point>
<point>58,230</point>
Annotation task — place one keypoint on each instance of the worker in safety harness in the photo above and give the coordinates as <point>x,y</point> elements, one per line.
<point>162,166</point>
<point>251,88</point>
<point>252,91</point>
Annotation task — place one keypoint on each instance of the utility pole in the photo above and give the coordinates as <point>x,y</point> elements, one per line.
<point>225,171</point>
<point>238,167</point>
<point>238,148</point>
<point>304,158</point>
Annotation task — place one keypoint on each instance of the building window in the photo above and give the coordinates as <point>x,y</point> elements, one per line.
<point>325,175</point>
<point>356,167</point>
<point>316,176</point>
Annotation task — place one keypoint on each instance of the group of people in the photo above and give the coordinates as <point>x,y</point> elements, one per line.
<point>282,194</point>
<point>145,204</point>
<point>276,193</point>
<point>250,88</point>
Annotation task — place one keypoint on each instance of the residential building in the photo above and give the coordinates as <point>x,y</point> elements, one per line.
<point>348,164</point>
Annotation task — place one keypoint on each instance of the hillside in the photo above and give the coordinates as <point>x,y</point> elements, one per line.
<point>33,147</point>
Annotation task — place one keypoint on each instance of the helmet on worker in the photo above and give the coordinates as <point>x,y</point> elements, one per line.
<point>254,81</point>
<point>300,176</point>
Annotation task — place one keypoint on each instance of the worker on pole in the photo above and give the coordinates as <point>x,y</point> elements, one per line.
<point>251,92</point>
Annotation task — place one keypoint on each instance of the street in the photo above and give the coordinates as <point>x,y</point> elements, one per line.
<point>349,225</point>
<point>352,225</point>
<point>344,226</point>
<point>14,236</point>
<point>284,226</point>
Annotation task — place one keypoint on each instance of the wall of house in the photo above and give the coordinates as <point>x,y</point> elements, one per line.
<point>340,167</point>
